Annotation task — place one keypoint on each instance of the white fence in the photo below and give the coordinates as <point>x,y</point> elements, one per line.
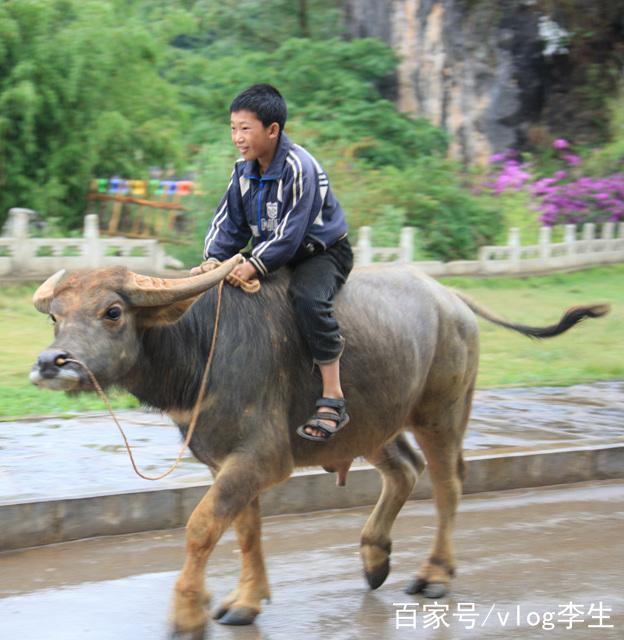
<point>22,255</point>
<point>513,258</point>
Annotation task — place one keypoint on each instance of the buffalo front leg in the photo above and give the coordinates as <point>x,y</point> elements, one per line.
<point>243,604</point>
<point>237,484</point>
<point>400,467</point>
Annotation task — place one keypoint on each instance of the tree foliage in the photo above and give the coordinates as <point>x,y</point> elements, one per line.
<point>80,95</point>
<point>96,88</point>
<point>330,84</point>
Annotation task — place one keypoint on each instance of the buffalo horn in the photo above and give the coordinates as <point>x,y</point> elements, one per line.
<point>44,294</point>
<point>145,291</point>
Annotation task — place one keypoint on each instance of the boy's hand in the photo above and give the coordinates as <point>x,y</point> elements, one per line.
<point>245,271</point>
<point>204,267</point>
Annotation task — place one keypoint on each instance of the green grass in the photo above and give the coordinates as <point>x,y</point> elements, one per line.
<point>591,351</point>
<point>23,334</point>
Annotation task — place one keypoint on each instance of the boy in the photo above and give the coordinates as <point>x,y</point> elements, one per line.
<point>280,197</point>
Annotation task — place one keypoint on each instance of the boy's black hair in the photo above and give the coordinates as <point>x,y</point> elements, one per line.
<point>265,101</point>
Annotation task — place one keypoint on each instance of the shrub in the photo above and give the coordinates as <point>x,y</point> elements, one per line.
<point>453,221</point>
<point>578,201</point>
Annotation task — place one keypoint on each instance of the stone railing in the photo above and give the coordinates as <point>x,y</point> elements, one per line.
<point>513,258</point>
<point>24,256</point>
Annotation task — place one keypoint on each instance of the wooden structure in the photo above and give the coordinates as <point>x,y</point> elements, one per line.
<point>146,209</point>
<point>131,217</point>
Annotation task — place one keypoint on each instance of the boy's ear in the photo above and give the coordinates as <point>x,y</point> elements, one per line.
<point>274,130</point>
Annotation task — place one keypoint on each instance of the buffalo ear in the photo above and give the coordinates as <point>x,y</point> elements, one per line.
<point>148,317</point>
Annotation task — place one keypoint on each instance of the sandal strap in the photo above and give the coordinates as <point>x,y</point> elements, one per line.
<point>332,403</point>
<point>324,415</point>
<point>328,432</point>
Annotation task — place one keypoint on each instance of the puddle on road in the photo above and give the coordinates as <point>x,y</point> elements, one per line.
<point>85,454</point>
<point>530,416</point>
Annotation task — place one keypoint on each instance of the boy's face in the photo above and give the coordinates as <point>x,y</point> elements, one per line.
<point>252,138</point>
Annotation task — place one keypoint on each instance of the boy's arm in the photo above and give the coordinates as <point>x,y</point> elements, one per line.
<point>302,203</point>
<point>229,231</point>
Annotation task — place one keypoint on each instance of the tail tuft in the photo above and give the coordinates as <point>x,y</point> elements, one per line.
<point>597,310</point>
<point>572,316</point>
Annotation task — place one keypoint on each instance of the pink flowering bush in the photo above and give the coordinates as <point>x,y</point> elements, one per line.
<point>512,172</point>
<point>578,201</point>
<point>566,197</point>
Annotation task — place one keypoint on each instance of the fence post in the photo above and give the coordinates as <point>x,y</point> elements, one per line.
<point>569,238</point>
<point>607,230</point>
<point>587,246</point>
<point>92,251</point>
<point>545,234</point>
<point>589,231</point>
<point>364,248</point>
<point>514,247</point>
<point>21,252</point>
<point>158,258</point>
<point>406,245</point>
<point>621,230</point>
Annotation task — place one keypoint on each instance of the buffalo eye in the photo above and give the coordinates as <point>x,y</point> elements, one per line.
<point>114,313</point>
<point>53,318</point>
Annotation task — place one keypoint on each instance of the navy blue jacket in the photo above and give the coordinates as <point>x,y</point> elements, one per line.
<point>288,208</point>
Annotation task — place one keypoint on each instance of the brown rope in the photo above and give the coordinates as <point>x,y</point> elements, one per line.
<point>248,286</point>
<point>194,415</point>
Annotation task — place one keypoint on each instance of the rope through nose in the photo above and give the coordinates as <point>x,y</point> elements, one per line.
<point>194,415</point>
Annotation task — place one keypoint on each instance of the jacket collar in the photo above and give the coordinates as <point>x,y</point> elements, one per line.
<point>277,164</point>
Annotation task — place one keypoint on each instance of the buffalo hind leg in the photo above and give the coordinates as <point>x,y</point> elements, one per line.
<point>243,604</point>
<point>237,484</point>
<point>443,451</point>
<point>400,467</point>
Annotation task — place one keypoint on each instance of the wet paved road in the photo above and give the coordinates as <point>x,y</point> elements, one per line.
<point>61,458</point>
<point>528,560</point>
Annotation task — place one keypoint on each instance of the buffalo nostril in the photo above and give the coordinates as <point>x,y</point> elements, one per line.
<point>50,361</point>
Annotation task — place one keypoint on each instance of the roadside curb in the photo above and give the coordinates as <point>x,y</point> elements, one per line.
<point>39,522</point>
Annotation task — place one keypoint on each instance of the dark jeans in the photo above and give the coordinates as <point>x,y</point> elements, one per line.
<point>314,283</point>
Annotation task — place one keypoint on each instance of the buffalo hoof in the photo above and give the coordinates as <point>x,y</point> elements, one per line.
<point>236,617</point>
<point>416,586</point>
<point>435,590</point>
<point>431,590</point>
<point>195,634</point>
<point>377,577</point>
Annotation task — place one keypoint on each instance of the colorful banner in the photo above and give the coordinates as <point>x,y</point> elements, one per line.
<point>143,188</point>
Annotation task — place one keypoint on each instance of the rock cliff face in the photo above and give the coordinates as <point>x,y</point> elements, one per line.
<point>485,70</point>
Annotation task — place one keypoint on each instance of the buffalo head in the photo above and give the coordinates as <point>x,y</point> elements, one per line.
<point>97,314</point>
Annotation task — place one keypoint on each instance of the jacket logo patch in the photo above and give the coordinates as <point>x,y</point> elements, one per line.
<point>271,209</point>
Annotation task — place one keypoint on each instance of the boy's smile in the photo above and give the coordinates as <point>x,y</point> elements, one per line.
<point>253,140</point>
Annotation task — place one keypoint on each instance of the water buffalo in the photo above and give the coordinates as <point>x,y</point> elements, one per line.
<point>410,363</point>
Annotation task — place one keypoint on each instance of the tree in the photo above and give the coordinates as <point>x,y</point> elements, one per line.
<point>80,97</point>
